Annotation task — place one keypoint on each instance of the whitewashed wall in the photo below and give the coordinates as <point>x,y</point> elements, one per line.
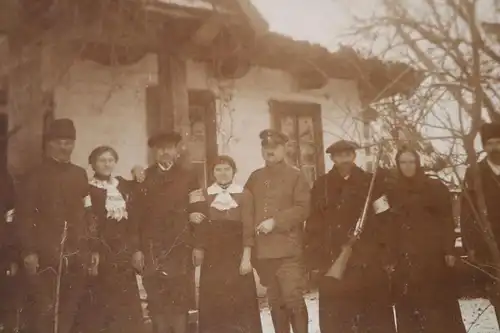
<point>108,107</point>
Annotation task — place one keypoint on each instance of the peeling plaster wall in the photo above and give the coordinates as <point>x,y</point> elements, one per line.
<point>108,107</point>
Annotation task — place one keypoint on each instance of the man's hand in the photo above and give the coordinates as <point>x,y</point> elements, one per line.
<point>138,261</point>
<point>245,266</point>
<point>196,217</point>
<point>471,256</point>
<point>13,269</point>
<point>450,260</point>
<point>138,173</point>
<point>198,255</point>
<point>94,264</point>
<point>31,263</point>
<point>266,226</point>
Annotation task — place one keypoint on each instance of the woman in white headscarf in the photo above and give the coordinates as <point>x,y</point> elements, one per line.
<point>224,236</point>
<point>117,306</point>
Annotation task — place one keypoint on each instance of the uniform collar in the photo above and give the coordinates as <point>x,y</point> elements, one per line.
<point>276,166</point>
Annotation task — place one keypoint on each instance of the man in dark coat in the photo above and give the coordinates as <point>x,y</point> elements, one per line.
<point>281,205</point>
<point>360,301</point>
<point>474,239</point>
<point>54,231</point>
<point>9,280</point>
<point>166,236</point>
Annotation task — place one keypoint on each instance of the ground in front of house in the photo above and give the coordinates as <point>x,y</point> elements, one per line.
<point>479,316</point>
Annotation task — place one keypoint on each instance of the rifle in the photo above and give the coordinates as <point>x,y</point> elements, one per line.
<point>339,266</point>
<point>59,278</point>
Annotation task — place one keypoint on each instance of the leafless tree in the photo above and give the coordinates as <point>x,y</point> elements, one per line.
<point>456,45</point>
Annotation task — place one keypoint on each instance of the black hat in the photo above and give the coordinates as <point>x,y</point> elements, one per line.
<point>61,129</point>
<point>490,131</point>
<point>164,138</point>
<point>272,137</point>
<point>342,146</point>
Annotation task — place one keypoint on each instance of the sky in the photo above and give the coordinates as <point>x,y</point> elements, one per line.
<point>318,21</point>
<point>328,21</point>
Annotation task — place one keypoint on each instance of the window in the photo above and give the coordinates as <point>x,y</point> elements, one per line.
<point>301,122</point>
<point>202,142</point>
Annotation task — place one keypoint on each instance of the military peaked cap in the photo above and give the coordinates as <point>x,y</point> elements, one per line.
<point>164,138</point>
<point>270,137</point>
<point>342,146</point>
<point>490,131</point>
<point>61,129</point>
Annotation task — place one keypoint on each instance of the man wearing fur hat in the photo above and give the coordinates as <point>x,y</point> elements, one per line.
<point>53,220</point>
<point>489,171</point>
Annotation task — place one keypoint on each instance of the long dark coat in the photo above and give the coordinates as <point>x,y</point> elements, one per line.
<point>9,285</point>
<point>166,237</point>
<point>472,236</point>
<point>471,233</point>
<point>336,206</point>
<point>50,195</point>
<point>423,234</point>
<point>360,302</point>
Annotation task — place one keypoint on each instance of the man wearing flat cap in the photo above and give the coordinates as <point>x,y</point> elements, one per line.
<point>54,197</point>
<point>360,301</point>
<point>163,208</point>
<point>489,172</point>
<point>281,205</point>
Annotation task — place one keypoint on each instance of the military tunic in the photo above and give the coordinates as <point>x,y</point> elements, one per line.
<point>50,195</point>
<point>281,192</point>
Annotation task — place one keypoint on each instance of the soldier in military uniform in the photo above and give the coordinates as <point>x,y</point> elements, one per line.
<point>281,195</point>
<point>360,301</point>
<point>54,195</point>
<point>163,207</point>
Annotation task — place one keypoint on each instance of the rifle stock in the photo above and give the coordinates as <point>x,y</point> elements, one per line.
<point>339,266</point>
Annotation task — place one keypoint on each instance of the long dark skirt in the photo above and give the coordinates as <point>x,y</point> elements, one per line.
<point>112,303</point>
<point>228,301</point>
<point>426,297</point>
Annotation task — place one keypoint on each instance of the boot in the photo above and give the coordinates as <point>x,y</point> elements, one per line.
<point>300,320</point>
<point>281,319</point>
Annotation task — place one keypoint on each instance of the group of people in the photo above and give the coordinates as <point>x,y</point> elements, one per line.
<point>73,236</point>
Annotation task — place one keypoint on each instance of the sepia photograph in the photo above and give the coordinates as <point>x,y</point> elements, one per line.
<point>249,166</point>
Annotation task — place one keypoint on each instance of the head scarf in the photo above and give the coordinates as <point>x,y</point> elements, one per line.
<point>419,174</point>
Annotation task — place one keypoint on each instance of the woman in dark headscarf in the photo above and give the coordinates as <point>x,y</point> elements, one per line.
<point>422,220</point>
<point>119,309</point>
<point>228,296</point>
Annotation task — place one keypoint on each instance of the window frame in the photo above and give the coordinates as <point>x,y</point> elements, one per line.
<point>279,109</point>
